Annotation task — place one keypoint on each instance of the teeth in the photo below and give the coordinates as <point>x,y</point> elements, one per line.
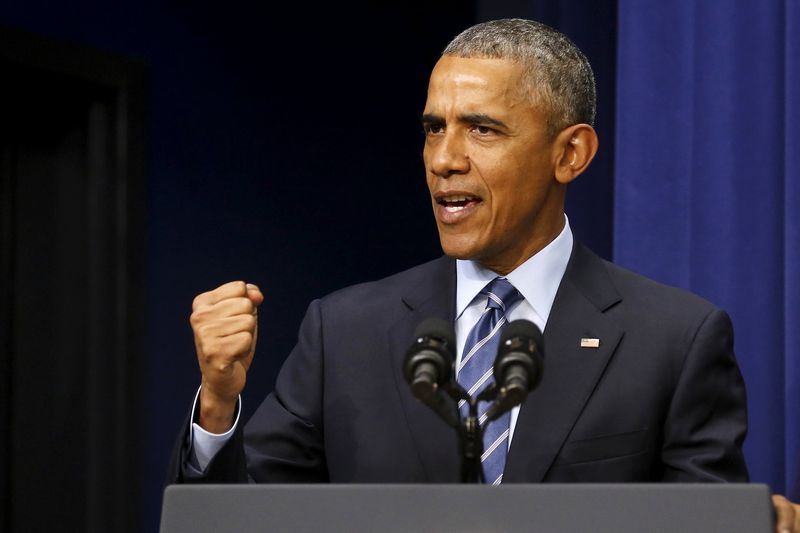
<point>454,208</point>
<point>457,198</point>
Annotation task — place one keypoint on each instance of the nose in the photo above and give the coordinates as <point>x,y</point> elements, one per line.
<point>448,155</point>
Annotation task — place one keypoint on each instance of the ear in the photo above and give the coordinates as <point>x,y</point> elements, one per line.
<point>575,149</point>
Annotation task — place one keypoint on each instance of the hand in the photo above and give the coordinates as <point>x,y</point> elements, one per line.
<point>225,325</point>
<point>787,515</point>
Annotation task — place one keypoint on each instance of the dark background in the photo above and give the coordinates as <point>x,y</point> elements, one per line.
<point>281,145</point>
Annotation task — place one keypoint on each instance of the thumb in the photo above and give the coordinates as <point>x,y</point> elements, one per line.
<point>254,293</point>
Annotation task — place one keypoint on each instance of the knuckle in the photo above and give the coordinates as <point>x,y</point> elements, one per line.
<point>240,287</point>
<point>198,301</point>
<point>200,314</point>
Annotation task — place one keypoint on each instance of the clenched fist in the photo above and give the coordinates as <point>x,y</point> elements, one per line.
<point>225,325</point>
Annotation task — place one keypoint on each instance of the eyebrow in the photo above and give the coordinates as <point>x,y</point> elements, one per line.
<point>480,118</point>
<point>471,118</point>
<point>429,118</point>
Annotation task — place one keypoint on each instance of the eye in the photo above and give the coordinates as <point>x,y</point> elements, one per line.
<point>483,130</point>
<point>433,128</point>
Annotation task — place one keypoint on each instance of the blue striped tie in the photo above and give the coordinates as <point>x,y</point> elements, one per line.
<point>475,373</point>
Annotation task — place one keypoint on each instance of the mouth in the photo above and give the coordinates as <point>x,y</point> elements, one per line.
<point>453,203</point>
<point>453,207</point>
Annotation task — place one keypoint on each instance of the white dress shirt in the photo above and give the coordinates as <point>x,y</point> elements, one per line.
<point>537,279</point>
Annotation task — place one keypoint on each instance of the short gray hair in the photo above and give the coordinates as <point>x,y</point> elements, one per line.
<point>559,75</point>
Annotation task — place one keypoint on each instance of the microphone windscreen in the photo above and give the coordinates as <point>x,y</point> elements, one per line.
<point>436,328</point>
<point>522,328</point>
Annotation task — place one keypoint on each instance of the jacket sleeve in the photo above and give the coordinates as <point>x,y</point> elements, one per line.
<point>706,422</point>
<point>283,441</point>
<point>227,466</point>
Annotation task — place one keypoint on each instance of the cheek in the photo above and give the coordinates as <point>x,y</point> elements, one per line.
<point>504,184</point>
<point>430,181</point>
<point>513,191</point>
<point>429,177</point>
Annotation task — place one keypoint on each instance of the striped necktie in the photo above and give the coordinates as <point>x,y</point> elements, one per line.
<point>475,373</point>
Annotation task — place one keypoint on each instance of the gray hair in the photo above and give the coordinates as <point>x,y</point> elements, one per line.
<point>559,75</point>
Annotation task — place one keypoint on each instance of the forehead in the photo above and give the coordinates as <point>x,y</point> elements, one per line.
<point>471,82</point>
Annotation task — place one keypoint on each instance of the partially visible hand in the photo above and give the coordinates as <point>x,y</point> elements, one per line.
<point>787,515</point>
<point>225,328</point>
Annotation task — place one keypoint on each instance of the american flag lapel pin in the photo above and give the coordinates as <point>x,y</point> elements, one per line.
<point>589,342</point>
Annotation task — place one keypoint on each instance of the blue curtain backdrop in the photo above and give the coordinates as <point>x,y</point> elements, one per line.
<point>707,186</point>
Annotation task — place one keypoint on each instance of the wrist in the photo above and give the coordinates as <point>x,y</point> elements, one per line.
<point>215,413</point>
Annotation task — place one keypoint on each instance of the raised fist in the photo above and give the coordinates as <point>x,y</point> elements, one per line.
<point>225,325</point>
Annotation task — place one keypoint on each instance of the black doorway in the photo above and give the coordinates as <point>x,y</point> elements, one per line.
<point>71,295</point>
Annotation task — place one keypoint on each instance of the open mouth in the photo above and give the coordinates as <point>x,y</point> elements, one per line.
<point>456,203</point>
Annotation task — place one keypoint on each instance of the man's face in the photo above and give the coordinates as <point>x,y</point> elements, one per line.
<point>489,163</point>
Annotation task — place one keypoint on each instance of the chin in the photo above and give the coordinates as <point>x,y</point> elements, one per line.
<point>458,250</point>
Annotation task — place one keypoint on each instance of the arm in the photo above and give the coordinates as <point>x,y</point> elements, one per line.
<point>284,439</point>
<point>707,419</point>
<point>225,326</point>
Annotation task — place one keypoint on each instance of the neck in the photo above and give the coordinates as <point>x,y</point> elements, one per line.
<point>505,264</point>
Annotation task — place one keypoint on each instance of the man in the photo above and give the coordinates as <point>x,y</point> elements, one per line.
<point>640,381</point>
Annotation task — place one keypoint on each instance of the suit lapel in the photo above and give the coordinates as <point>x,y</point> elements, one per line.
<point>571,372</point>
<point>432,295</point>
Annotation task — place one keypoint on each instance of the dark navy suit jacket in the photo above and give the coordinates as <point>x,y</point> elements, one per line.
<point>661,398</point>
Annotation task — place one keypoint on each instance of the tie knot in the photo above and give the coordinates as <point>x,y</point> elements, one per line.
<point>502,294</point>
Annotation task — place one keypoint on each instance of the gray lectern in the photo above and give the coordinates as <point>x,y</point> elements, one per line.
<point>604,508</point>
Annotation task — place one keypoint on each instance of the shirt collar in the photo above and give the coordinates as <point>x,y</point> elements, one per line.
<point>537,278</point>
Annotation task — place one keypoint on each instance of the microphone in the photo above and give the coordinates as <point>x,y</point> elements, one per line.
<point>429,361</point>
<point>518,366</point>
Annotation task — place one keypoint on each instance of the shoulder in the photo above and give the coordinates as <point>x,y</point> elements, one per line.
<point>659,309</point>
<point>396,284</point>
<point>664,330</point>
<point>647,292</point>
<point>389,292</point>
<point>636,300</point>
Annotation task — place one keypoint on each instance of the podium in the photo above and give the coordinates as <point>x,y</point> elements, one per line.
<point>541,508</point>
